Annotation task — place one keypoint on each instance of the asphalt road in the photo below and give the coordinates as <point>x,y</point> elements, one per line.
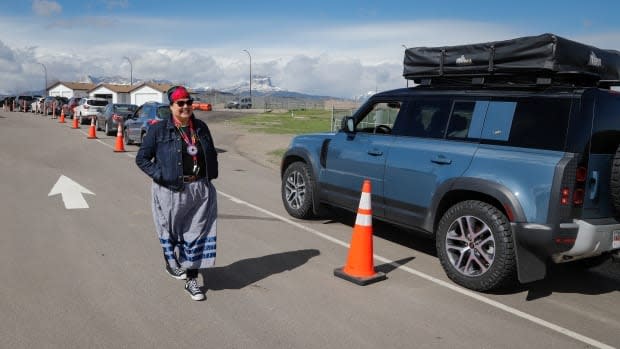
<point>94,277</point>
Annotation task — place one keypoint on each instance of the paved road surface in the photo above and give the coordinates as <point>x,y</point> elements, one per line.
<point>94,277</point>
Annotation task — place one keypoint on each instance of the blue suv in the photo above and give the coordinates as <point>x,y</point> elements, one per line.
<point>506,176</point>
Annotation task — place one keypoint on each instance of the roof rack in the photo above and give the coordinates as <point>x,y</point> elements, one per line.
<point>536,60</point>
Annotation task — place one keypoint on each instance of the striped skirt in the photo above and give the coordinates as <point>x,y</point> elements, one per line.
<point>186,224</point>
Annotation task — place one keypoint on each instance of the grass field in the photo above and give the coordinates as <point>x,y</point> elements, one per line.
<point>292,122</point>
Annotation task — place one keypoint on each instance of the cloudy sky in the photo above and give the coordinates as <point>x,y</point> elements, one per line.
<point>339,48</point>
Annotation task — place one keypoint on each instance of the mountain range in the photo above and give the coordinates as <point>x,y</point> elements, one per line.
<point>261,86</point>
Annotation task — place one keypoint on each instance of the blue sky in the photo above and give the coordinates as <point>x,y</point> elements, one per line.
<point>338,48</point>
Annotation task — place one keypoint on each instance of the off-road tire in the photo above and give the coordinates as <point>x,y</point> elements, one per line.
<point>297,187</point>
<point>501,271</point>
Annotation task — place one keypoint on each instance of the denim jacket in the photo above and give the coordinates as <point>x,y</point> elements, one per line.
<point>160,153</point>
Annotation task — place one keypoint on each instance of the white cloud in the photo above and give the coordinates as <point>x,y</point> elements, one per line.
<point>46,7</point>
<point>336,60</point>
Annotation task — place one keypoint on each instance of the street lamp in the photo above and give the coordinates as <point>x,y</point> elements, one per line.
<point>248,52</point>
<point>45,69</point>
<point>130,70</point>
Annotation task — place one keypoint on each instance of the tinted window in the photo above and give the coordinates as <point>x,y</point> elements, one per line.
<point>540,123</point>
<point>531,123</point>
<point>424,118</point>
<point>460,120</point>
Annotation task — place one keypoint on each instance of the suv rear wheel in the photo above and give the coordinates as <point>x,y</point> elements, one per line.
<point>476,247</point>
<point>296,190</point>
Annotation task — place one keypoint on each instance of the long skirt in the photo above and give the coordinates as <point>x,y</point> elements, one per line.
<point>186,224</point>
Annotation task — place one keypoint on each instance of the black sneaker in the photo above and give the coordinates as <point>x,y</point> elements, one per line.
<point>176,273</point>
<point>191,286</point>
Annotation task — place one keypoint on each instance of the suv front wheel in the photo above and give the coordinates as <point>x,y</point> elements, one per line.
<point>297,184</point>
<point>475,246</point>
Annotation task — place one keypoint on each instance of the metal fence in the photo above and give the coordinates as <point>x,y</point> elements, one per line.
<point>337,116</point>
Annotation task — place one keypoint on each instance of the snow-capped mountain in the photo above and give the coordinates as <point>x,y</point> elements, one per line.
<point>118,80</point>
<point>260,84</point>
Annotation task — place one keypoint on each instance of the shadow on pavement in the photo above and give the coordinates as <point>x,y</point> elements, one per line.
<point>248,271</point>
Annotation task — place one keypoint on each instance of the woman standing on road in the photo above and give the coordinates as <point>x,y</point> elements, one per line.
<point>179,155</point>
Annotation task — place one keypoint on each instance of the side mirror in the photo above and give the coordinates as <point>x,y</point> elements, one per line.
<point>348,124</point>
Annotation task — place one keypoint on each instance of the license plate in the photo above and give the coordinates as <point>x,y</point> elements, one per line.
<point>615,242</point>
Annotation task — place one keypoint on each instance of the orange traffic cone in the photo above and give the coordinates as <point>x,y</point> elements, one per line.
<point>119,146</point>
<point>62,117</point>
<point>359,268</point>
<point>92,132</point>
<point>75,122</point>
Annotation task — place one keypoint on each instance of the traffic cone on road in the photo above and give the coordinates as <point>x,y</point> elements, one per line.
<point>62,117</point>
<point>92,132</point>
<point>75,122</point>
<point>359,268</point>
<point>119,146</point>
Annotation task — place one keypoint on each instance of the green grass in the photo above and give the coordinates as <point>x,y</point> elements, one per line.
<point>292,122</point>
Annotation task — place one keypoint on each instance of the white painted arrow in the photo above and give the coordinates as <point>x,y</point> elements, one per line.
<point>71,193</point>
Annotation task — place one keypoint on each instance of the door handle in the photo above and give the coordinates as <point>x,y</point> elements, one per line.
<point>375,152</point>
<point>441,160</point>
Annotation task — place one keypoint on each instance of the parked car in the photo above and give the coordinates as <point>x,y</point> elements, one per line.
<point>22,103</point>
<point>507,171</point>
<point>69,108</point>
<point>231,105</point>
<point>243,103</point>
<point>107,120</point>
<point>52,105</point>
<point>88,108</point>
<point>136,126</point>
<point>204,106</point>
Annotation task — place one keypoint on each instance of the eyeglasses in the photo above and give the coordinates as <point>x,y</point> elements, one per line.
<point>181,104</point>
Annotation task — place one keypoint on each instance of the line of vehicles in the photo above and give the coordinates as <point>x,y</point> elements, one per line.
<point>135,119</point>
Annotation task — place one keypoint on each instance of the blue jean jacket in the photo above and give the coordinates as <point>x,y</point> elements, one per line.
<point>160,153</point>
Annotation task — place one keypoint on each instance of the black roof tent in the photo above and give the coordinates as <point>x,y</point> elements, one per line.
<point>543,59</point>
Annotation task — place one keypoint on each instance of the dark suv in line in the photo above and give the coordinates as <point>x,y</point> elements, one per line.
<point>136,125</point>
<point>507,175</point>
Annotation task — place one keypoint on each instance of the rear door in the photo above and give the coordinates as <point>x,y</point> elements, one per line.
<point>605,139</point>
<point>435,140</point>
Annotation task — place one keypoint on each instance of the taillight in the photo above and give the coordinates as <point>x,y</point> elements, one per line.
<point>152,121</point>
<point>565,198</point>
<point>581,174</point>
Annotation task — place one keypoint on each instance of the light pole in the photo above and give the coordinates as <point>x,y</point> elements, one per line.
<point>45,69</point>
<point>130,70</point>
<point>248,52</point>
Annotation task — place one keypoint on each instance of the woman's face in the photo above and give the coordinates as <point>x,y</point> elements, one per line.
<point>181,109</point>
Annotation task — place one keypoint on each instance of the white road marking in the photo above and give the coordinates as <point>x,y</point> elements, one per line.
<point>453,287</point>
<point>71,192</point>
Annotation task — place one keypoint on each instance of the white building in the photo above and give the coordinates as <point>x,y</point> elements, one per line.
<point>111,92</point>
<point>149,92</point>
<point>70,89</point>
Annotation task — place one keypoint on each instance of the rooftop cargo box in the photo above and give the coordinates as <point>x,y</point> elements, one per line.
<point>543,56</point>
